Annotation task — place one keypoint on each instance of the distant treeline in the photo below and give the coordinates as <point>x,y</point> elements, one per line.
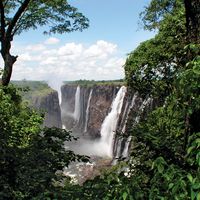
<point>93,82</point>
<point>29,89</point>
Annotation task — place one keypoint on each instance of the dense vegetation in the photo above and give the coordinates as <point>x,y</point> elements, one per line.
<point>30,156</point>
<point>90,83</point>
<point>165,154</point>
<point>30,89</point>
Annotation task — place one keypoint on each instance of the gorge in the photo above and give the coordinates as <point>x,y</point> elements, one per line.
<point>97,114</point>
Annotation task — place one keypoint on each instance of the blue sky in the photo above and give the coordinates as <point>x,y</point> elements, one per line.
<point>96,53</point>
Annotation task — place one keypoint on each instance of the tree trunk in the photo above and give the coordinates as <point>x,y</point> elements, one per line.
<point>192,9</point>
<point>192,14</point>
<point>9,60</point>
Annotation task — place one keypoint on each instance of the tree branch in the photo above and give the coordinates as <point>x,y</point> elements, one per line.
<point>16,17</point>
<point>5,3</point>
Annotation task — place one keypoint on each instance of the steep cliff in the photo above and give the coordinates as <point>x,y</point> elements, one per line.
<point>100,114</point>
<point>49,104</point>
<point>88,111</point>
<point>93,103</point>
<point>40,96</point>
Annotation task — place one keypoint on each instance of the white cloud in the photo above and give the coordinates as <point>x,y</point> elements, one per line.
<point>101,49</point>
<point>70,49</point>
<point>36,47</point>
<point>52,41</point>
<point>70,61</point>
<point>25,57</point>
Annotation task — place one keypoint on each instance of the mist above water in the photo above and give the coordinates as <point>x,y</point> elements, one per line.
<point>56,85</point>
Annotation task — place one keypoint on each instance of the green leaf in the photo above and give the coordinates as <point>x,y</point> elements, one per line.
<point>124,195</point>
<point>190,149</point>
<point>160,168</point>
<point>189,176</point>
<point>171,185</point>
<point>198,196</point>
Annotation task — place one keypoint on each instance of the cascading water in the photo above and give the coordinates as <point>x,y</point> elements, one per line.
<point>125,152</point>
<point>77,105</point>
<point>110,123</point>
<point>87,111</point>
<point>129,109</point>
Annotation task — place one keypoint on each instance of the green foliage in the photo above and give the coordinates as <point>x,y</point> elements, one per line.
<point>165,154</point>
<point>91,83</point>
<point>154,14</point>
<point>30,89</point>
<point>152,66</point>
<point>30,157</point>
<point>58,14</point>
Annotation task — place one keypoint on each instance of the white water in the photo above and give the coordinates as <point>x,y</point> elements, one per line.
<point>56,85</point>
<point>109,125</point>
<point>126,148</point>
<point>77,108</point>
<point>87,111</point>
<point>129,109</point>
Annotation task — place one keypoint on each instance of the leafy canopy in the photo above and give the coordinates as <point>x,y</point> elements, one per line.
<point>59,15</point>
<point>30,157</point>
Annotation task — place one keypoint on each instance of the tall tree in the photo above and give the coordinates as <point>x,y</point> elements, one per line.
<point>17,16</point>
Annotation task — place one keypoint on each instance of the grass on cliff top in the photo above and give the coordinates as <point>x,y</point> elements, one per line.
<point>30,89</point>
<point>90,83</point>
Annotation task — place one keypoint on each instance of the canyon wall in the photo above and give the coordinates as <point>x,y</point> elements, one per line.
<point>93,102</point>
<point>99,114</point>
<point>49,105</point>
<point>85,110</point>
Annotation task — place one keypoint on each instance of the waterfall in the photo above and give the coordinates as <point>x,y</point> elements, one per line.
<point>77,105</point>
<point>129,109</point>
<point>126,148</point>
<point>110,123</point>
<point>87,111</point>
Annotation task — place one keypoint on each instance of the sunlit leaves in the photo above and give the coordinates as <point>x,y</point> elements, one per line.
<point>59,15</point>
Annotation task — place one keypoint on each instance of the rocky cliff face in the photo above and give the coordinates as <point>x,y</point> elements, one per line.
<point>94,104</point>
<point>100,103</point>
<point>85,109</point>
<point>49,104</point>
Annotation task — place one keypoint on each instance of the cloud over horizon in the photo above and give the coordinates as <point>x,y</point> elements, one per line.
<point>55,61</point>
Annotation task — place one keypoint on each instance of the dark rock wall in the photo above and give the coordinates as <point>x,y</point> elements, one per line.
<point>133,110</point>
<point>49,104</point>
<point>100,103</point>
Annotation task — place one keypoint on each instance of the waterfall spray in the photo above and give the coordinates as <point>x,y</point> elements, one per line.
<point>109,125</point>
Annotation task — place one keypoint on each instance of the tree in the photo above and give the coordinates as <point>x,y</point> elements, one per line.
<point>21,15</point>
<point>151,67</point>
